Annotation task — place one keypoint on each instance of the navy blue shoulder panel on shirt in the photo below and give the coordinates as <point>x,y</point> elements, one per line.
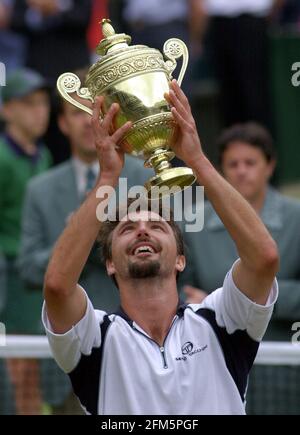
<point>85,378</point>
<point>239,350</point>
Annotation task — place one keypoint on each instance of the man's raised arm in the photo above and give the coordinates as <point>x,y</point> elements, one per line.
<point>65,300</point>
<point>255,272</point>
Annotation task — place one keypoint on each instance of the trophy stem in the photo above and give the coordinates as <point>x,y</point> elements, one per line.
<point>165,175</point>
<point>159,160</point>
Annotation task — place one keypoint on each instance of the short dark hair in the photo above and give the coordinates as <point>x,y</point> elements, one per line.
<point>105,234</point>
<point>251,133</point>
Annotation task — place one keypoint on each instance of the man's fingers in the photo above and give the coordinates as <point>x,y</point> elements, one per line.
<point>109,117</point>
<point>118,135</point>
<point>97,112</point>
<point>180,120</point>
<point>181,112</point>
<point>180,95</point>
<point>178,105</point>
<point>177,89</point>
<point>167,97</point>
<point>106,125</point>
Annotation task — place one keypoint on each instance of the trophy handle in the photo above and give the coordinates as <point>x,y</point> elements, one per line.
<point>173,49</point>
<point>68,83</point>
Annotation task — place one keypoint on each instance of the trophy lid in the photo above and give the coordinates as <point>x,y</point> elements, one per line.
<point>112,41</point>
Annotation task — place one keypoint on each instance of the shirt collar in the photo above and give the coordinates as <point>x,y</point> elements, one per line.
<point>180,311</point>
<point>82,167</point>
<point>18,150</point>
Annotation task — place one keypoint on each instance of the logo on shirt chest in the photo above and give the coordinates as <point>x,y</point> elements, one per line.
<point>188,350</point>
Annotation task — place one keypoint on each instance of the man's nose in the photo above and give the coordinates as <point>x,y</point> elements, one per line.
<point>241,169</point>
<point>142,229</point>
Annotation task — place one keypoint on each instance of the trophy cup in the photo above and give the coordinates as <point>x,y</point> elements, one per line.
<point>136,77</point>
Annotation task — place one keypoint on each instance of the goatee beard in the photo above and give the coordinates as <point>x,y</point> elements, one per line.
<point>148,269</point>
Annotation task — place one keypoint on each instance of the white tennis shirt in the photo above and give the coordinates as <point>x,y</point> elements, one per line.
<point>202,367</point>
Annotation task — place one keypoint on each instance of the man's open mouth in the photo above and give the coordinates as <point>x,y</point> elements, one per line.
<point>143,249</point>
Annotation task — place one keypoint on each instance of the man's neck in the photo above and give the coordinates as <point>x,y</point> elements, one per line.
<point>151,304</point>
<point>26,143</point>
<point>87,158</point>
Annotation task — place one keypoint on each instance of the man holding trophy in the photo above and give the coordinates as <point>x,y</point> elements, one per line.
<point>157,356</point>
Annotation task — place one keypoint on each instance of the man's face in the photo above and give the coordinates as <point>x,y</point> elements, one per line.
<point>76,125</point>
<point>29,114</point>
<point>144,248</point>
<point>246,168</point>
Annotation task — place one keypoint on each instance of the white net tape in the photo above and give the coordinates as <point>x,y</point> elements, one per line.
<point>270,353</point>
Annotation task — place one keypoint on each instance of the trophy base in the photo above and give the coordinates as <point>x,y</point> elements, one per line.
<point>176,178</point>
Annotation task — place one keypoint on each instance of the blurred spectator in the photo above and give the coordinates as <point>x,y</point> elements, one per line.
<point>247,161</point>
<point>2,282</point>
<point>6,394</point>
<point>238,32</point>
<point>56,32</point>
<point>6,400</point>
<point>99,11</point>
<point>50,202</point>
<point>26,112</point>
<point>153,22</point>
<point>290,14</point>
<point>12,45</point>
<point>116,15</point>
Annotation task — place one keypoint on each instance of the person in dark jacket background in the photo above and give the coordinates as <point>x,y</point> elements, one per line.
<point>56,32</point>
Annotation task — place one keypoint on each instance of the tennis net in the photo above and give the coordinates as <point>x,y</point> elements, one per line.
<point>31,382</point>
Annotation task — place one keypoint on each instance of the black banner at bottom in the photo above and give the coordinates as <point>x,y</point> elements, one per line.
<point>88,425</point>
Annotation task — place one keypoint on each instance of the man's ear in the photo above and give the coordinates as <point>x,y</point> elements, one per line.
<point>110,267</point>
<point>271,168</point>
<point>180,263</point>
<point>61,121</point>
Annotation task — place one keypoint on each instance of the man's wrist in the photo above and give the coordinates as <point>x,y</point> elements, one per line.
<point>107,180</point>
<point>200,162</point>
<point>203,169</point>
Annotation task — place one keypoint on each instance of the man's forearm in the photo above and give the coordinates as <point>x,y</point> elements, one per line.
<point>254,274</point>
<point>243,224</point>
<point>74,245</point>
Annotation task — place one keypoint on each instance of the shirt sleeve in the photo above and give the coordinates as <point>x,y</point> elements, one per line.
<point>68,348</point>
<point>235,311</point>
